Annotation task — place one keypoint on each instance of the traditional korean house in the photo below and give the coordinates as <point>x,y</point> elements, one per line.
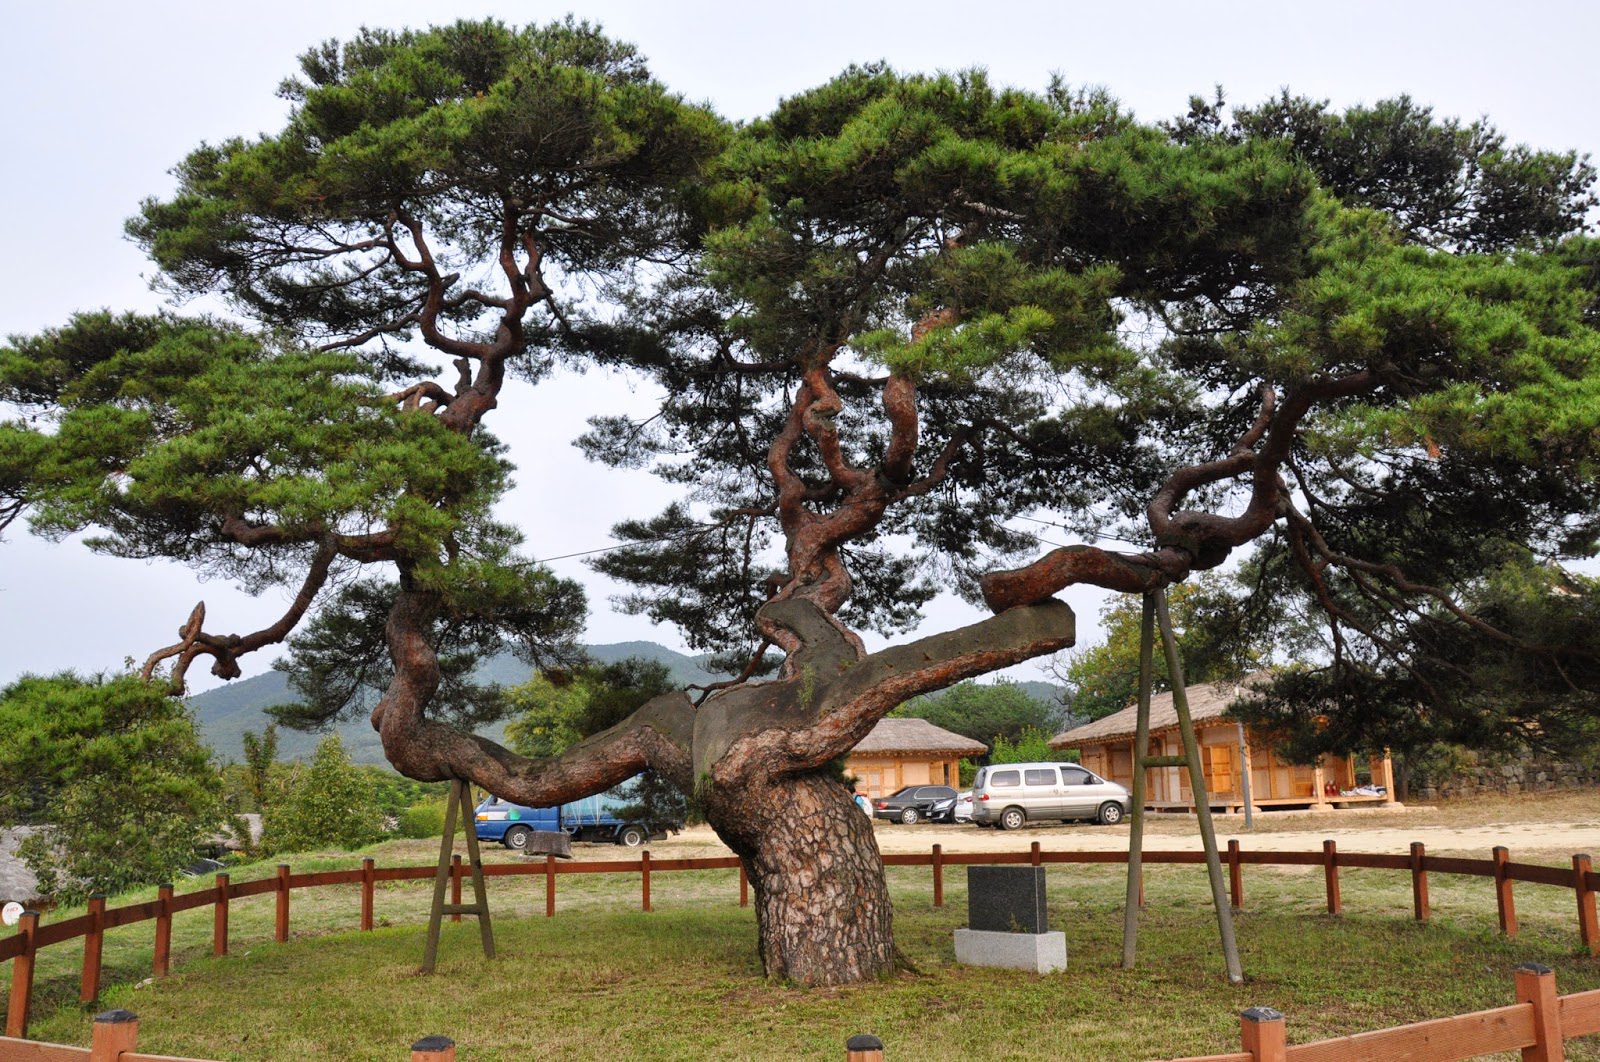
<point>901,752</point>
<point>1228,751</point>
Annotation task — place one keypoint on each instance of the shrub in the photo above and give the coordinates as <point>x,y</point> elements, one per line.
<point>421,820</point>
<point>328,803</point>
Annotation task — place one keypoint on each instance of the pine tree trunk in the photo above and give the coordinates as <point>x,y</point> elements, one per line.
<point>822,906</point>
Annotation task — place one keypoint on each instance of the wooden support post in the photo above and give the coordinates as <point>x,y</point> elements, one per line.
<point>93,943</point>
<point>549,886</point>
<point>1033,854</point>
<point>369,881</point>
<point>1235,875</point>
<point>22,977</point>
<point>115,1032</point>
<point>434,1049</point>
<point>1502,892</point>
<point>644,879</point>
<point>281,926</point>
<point>1319,783</point>
<point>1419,882</point>
<point>1536,984</point>
<point>938,875</point>
<point>1330,875</point>
<point>163,955</point>
<point>863,1048</point>
<point>457,808</point>
<point>744,886</point>
<point>1264,1035</point>
<point>1588,930</point>
<point>219,918</point>
<point>455,884</point>
<point>1134,897</point>
<point>1197,790</point>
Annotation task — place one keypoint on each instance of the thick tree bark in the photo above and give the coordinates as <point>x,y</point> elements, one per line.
<point>822,907</point>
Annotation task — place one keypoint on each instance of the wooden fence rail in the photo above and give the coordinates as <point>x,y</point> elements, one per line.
<point>1538,1024</point>
<point>21,947</point>
<point>116,1038</point>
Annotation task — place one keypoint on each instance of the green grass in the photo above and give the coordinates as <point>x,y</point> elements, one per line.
<point>604,979</point>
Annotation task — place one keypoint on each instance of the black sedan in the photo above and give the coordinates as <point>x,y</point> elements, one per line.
<point>914,803</point>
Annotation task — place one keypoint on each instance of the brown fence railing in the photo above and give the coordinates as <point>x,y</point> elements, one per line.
<point>22,947</point>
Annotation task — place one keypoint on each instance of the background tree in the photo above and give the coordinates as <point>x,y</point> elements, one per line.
<point>114,774</point>
<point>327,803</point>
<point>986,711</point>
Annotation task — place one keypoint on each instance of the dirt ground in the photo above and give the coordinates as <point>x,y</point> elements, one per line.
<point>1543,825</point>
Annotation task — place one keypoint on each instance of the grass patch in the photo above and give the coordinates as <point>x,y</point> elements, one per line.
<point>603,979</point>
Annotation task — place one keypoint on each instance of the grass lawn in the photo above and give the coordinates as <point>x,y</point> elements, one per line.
<point>603,979</point>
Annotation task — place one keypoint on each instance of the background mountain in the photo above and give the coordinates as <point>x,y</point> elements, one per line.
<point>225,713</point>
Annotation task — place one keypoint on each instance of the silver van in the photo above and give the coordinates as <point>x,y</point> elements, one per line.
<point>1011,795</point>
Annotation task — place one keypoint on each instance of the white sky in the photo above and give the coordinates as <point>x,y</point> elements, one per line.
<point>104,98</point>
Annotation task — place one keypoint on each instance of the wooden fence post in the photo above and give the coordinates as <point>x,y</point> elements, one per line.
<point>368,892</point>
<point>163,955</point>
<point>1033,854</point>
<point>1419,882</point>
<point>1588,930</point>
<point>1264,1034</point>
<point>644,879</point>
<point>549,886</point>
<point>455,884</point>
<point>863,1047</point>
<point>1330,875</point>
<point>93,943</point>
<point>744,886</point>
<point>1235,874</point>
<point>22,977</point>
<point>219,917</point>
<point>1502,892</point>
<point>281,925</point>
<point>938,875</point>
<point>115,1032</point>
<point>1536,984</point>
<point>434,1049</point>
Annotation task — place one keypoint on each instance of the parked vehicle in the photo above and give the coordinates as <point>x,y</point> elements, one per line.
<point>962,812</point>
<point>912,804</point>
<point>593,818</point>
<point>1011,795</point>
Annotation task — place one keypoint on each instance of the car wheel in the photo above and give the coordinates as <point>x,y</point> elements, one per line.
<point>1013,819</point>
<point>1110,813</point>
<point>910,816</point>
<point>516,838</point>
<point>631,836</point>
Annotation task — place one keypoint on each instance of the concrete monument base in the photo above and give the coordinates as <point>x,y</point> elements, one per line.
<point>1039,952</point>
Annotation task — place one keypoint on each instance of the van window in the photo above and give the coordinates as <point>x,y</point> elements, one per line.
<point>1041,776</point>
<point>977,783</point>
<point>1075,776</point>
<point>999,778</point>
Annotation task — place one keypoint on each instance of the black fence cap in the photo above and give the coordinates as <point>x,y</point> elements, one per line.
<point>433,1043</point>
<point>863,1042</point>
<point>115,1017</point>
<point>1535,968</point>
<point>1260,1014</point>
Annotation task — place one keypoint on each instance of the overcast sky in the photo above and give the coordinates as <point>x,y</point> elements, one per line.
<point>102,100</point>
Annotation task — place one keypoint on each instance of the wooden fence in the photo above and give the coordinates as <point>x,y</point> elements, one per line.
<point>1538,1024</point>
<point>22,947</point>
<point>116,1039</point>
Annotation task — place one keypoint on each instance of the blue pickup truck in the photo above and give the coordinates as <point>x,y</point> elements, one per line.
<point>590,819</point>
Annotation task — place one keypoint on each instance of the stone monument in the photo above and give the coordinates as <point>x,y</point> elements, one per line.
<point>1007,922</point>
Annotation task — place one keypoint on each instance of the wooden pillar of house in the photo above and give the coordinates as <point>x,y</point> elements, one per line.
<point>1247,766</point>
<point>1319,781</point>
<point>1383,773</point>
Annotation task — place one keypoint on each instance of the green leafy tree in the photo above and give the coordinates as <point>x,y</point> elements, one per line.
<point>327,803</point>
<point>985,712</point>
<point>114,774</point>
<point>1030,746</point>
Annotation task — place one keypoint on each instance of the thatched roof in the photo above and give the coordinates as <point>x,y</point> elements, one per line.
<point>1208,700</point>
<point>905,737</point>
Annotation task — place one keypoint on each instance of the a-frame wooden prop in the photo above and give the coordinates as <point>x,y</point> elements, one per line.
<point>1155,610</point>
<point>459,808</point>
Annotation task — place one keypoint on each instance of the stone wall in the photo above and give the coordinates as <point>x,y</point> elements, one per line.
<point>1528,775</point>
